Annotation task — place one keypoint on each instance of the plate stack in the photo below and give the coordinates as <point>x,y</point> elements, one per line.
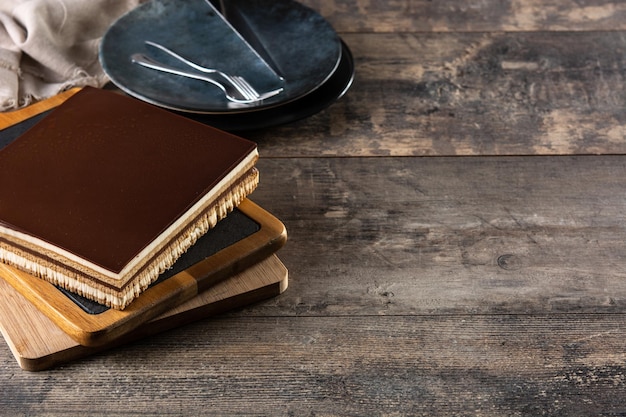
<point>118,220</point>
<point>280,47</point>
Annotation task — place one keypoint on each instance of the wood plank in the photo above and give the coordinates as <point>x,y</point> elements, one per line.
<point>470,94</point>
<point>448,235</point>
<point>498,365</point>
<point>462,16</point>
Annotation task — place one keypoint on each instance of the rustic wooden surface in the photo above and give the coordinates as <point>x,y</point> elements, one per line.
<point>457,236</point>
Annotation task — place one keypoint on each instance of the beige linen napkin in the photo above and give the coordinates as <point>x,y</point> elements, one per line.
<point>48,46</point>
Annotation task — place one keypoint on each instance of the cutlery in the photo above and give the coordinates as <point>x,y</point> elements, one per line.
<point>240,83</point>
<point>231,92</point>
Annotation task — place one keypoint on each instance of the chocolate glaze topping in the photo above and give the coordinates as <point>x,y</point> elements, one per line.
<point>103,175</point>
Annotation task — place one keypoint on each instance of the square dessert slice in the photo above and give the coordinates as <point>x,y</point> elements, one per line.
<point>107,192</point>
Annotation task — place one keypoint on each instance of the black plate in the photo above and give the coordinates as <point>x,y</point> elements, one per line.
<point>304,48</point>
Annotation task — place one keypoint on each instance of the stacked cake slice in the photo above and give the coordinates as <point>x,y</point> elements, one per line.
<point>106,193</point>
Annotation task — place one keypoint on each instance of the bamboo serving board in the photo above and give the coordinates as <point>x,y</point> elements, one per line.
<point>38,344</point>
<point>98,329</point>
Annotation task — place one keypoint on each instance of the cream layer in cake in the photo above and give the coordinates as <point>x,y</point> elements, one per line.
<point>106,193</point>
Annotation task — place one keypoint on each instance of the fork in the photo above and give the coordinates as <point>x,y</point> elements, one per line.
<point>229,90</point>
<point>240,83</point>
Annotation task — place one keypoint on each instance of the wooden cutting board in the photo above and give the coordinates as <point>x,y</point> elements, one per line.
<point>247,236</point>
<point>90,329</point>
<point>38,344</point>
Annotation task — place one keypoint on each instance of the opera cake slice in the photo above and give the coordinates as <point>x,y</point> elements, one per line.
<point>106,192</point>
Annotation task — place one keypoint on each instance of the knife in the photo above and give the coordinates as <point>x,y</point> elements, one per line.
<point>237,20</point>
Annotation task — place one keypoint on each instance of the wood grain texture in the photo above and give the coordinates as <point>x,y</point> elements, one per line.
<point>470,94</point>
<point>450,235</point>
<point>440,263</point>
<point>494,365</point>
<point>477,16</point>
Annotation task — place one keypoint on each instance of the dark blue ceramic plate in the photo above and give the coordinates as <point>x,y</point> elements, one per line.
<point>329,92</point>
<point>297,43</point>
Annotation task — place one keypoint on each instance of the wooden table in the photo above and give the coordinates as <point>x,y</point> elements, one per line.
<point>457,231</point>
